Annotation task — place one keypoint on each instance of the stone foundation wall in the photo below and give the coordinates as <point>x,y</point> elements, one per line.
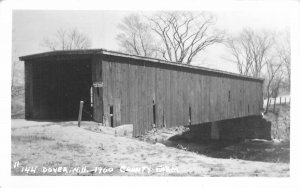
<point>198,132</point>
<point>253,127</point>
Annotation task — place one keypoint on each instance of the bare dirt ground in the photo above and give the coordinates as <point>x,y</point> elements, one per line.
<point>62,148</point>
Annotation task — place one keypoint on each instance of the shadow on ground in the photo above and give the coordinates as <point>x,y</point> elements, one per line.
<point>253,150</point>
<point>237,138</point>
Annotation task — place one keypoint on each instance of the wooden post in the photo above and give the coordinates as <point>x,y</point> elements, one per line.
<point>279,100</point>
<point>284,100</point>
<point>80,112</point>
<point>274,104</point>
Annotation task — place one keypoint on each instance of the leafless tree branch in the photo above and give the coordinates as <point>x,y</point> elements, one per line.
<point>250,50</point>
<point>67,40</point>
<point>136,37</point>
<point>184,34</point>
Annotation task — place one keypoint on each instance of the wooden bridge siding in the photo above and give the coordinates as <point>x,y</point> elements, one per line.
<point>96,65</point>
<point>131,86</point>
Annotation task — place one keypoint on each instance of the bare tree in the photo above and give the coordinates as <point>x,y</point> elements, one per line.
<point>250,51</point>
<point>184,34</point>
<point>17,83</point>
<point>67,40</point>
<point>15,90</point>
<point>284,53</point>
<point>136,37</point>
<point>273,80</point>
<point>13,73</point>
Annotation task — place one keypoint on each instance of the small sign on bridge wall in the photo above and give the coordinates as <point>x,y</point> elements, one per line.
<point>98,84</point>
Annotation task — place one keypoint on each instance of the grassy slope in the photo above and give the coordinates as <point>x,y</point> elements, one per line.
<point>69,146</point>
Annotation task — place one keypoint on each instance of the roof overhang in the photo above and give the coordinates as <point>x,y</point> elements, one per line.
<point>93,52</point>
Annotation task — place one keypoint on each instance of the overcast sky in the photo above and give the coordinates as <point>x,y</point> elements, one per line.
<point>30,27</point>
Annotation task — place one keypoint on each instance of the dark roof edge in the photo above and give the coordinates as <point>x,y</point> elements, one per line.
<point>60,52</point>
<point>120,54</point>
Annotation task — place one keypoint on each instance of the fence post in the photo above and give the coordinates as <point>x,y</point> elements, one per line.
<point>284,100</point>
<point>279,100</point>
<point>274,104</point>
<point>80,112</point>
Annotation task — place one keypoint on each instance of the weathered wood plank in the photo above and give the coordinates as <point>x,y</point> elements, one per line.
<point>199,99</point>
<point>130,94</point>
<point>113,92</point>
<point>144,99</point>
<point>117,97</point>
<point>123,91</point>
<point>159,99</point>
<point>152,96</point>
<point>96,67</point>
<point>175,99</point>
<point>200,102</point>
<point>135,100</point>
<point>168,101</point>
<point>179,100</point>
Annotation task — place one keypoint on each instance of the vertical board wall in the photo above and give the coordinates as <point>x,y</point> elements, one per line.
<point>96,64</point>
<point>181,95</point>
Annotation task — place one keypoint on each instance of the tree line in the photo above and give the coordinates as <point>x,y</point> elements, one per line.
<point>180,36</point>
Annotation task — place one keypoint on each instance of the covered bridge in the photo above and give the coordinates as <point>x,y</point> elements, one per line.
<point>118,89</point>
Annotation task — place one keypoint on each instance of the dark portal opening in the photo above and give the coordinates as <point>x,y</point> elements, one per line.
<point>58,88</point>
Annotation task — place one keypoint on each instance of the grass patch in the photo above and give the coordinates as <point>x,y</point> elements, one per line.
<point>69,147</point>
<point>31,138</point>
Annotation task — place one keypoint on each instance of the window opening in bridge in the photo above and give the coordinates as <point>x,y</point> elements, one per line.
<point>248,109</point>
<point>163,125</point>
<point>153,111</point>
<point>98,91</point>
<point>111,114</point>
<point>229,96</point>
<point>91,94</point>
<point>190,115</point>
